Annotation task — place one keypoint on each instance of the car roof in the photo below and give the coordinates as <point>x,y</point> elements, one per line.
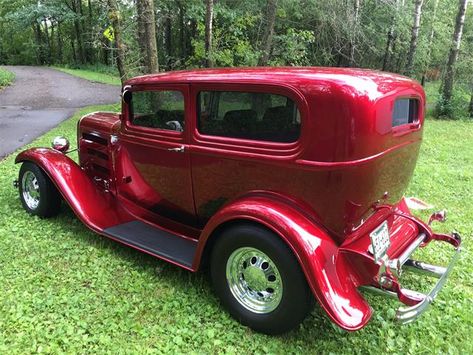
<point>362,80</point>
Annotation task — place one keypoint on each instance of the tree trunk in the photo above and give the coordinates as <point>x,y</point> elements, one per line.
<point>141,33</point>
<point>209,14</point>
<point>88,55</point>
<point>191,34</point>
<point>59,42</point>
<point>52,44</point>
<point>78,30</point>
<point>354,31</point>
<point>414,36</point>
<point>104,52</point>
<point>431,40</point>
<point>48,42</point>
<point>89,7</point>
<point>391,39</point>
<point>147,34</point>
<point>73,50</point>
<point>400,63</point>
<point>90,24</point>
<point>168,34</point>
<point>182,30</point>
<point>114,15</point>
<point>470,107</point>
<point>39,43</point>
<point>453,55</point>
<point>267,40</point>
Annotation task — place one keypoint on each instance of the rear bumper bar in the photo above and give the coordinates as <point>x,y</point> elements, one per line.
<point>408,314</point>
<point>417,302</point>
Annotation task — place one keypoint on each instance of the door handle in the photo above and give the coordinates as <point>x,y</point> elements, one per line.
<point>180,149</point>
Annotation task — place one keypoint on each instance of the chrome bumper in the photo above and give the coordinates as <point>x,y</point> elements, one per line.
<point>408,314</point>
<point>417,302</point>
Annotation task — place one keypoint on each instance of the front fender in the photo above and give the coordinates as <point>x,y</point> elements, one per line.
<point>325,269</point>
<point>94,207</point>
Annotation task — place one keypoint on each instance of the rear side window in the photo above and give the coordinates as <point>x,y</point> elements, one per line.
<point>405,111</point>
<point>248,115</point>
<point>162,109</point>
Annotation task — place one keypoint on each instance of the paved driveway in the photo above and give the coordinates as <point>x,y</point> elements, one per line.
<point>40,98</point>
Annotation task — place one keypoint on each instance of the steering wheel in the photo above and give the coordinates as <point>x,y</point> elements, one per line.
<point>175,126</point>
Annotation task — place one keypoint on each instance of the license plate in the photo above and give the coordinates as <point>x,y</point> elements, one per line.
<point>380,241</point>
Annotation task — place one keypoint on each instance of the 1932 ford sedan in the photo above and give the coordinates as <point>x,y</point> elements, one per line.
<point>286,182</point>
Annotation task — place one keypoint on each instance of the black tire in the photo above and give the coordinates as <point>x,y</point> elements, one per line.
<point>49,199</point>
<point>296,298</point>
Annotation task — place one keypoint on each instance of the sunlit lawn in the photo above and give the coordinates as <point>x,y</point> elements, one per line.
<point>66,289</point>
<point>92,75</point>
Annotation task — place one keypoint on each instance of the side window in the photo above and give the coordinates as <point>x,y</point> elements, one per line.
<point>405,111</point>
<point>248,115</point>
<point>158,109</point>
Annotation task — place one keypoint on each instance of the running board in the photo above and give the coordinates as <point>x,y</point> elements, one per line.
<point>155,241</point>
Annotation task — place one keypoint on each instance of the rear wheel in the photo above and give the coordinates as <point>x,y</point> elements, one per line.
<point>258,279</point>
<point>38,194</point>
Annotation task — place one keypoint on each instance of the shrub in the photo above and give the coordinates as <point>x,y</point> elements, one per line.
<point>6,77</point>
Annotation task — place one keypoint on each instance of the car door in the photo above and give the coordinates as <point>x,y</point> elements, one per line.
<point>245,139</point>
<point>153,162</point>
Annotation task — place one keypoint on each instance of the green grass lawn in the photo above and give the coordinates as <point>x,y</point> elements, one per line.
<point>6,78</point>
<point>93,74</point>
<point>66,289</point>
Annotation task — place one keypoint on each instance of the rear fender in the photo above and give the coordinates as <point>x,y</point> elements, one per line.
<point>325,269</point>
<point>94,207</point>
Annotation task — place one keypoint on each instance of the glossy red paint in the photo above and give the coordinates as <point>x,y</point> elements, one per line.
<point>402,232</point>
<point>95,208</point>
<point>348,153</point>
<point>323,194</point>
<point>325,268</point>
<point>153,175</point>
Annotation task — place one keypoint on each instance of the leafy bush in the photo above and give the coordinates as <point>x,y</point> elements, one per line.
<point>456,108</point>
<point>6,77</point>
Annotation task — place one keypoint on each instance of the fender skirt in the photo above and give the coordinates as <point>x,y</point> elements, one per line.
<point>325,268</point>
<point>96,208</point>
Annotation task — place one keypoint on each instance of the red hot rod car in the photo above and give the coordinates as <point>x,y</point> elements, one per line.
<point>286,182</point>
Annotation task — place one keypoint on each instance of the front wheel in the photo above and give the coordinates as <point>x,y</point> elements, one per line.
<point>258,279</point>
<point>38,194</point>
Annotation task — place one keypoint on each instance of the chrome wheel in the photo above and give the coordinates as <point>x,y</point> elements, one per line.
<point>254,280</point>
<point>30,188</point>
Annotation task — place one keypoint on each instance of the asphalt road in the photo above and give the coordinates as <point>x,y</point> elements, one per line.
<point>40,98</point>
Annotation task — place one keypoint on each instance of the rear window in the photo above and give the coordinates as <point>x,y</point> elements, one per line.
<point>405,111</point>
<point>248,115</point>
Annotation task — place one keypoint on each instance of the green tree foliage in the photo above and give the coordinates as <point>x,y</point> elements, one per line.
<point>360,33</point>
